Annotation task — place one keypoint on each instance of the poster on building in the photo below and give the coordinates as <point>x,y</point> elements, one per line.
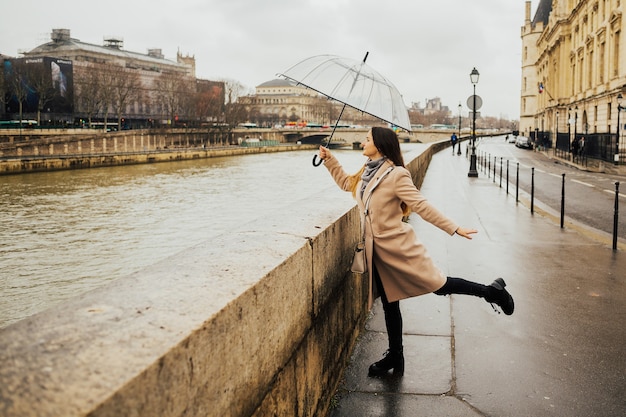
<point>42,85</point>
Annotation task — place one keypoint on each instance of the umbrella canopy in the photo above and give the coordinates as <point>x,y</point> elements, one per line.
<point>353,83</point>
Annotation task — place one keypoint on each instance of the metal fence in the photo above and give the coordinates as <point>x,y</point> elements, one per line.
<point>600,146</point>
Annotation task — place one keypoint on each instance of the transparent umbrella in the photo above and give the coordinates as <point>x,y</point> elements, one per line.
<point>353,83</point>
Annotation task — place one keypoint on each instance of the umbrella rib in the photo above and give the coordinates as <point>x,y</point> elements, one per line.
<point>351,83</point>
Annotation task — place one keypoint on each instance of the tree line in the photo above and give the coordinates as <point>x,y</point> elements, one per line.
<point>115,92</point>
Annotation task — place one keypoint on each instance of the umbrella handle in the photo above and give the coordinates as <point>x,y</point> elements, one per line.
<point>316,164</point>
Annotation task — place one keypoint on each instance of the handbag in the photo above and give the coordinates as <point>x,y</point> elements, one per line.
<point>359,262</point>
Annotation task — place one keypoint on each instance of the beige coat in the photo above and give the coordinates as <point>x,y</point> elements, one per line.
<point>405,268</point>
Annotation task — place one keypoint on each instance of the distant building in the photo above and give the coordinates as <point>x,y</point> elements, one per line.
<point>161,88</point>
<point>284,102</point>
<point>281,101</point>
<point>433,106</point>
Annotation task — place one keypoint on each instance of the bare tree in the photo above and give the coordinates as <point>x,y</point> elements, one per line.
<point>17,86</point>
<point>234,112</point>
<point>107,93</point>
<point>88,86</point>
<point>174,92</point>
<point>209,103</point>
<point>40,81</point>
<point>126,87</point>
<point>4,97</point>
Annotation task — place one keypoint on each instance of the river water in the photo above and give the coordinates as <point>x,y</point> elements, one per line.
<point>64,233</point>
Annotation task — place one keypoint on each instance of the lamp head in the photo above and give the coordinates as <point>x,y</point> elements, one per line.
<point>474,76</point>
<point>619,100</point>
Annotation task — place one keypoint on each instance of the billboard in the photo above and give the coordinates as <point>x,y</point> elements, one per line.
<point>38,83</point>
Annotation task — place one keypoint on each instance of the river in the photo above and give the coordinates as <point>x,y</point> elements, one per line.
<point>67,232</point>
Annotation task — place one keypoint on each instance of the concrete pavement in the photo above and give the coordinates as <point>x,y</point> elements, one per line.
<point>560,354</point>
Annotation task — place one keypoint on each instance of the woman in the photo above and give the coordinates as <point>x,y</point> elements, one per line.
<point>398,264</point>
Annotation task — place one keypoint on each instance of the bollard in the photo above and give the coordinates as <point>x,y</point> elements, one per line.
<point>489,166</point>
<point>501,172</point>
<point>517,185</point>
<point>507,177</point>
<point>562,200</point>
<point>615,216</point>
<point>495,162</point>
<point>532,190</point>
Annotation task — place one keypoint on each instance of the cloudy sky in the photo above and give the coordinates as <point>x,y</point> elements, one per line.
<point>426,48</point>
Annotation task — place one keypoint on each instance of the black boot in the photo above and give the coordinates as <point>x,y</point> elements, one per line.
<point>498,295</point>
<point>393,359</point>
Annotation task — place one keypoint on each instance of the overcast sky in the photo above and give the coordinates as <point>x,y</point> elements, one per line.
<point>426,48</point>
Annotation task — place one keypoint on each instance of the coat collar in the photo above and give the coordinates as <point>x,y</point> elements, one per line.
<point>384,167</point>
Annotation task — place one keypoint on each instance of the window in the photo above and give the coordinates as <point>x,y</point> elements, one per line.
<point>601,59</point>
<point>590,70</point>
<point>616,53</point>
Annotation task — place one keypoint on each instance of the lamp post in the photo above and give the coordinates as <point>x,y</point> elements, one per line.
<point>473,172</point>
<point>619,109</point>
<point>458,152</point>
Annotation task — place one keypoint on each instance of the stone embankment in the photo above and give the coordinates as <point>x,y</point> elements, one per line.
<point>259,322</point>
<point>78,150</point>
<point>49,150</point>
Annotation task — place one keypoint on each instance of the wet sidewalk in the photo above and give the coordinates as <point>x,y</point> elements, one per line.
<point>561,353</point>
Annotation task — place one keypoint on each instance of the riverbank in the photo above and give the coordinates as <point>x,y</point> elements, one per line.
<point>41,151</point>
<point>28,164</point>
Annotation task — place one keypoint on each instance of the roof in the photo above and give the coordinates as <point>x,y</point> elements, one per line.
<point>543,12</point>
<point>278,82</point>
<point>72,44</point>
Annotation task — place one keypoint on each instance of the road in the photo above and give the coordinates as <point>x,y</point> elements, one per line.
<point>589,198</point>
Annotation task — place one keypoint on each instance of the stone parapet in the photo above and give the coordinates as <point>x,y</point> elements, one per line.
<point>259,322</point>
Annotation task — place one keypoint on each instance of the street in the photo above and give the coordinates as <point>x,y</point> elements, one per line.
<point>560,354</point>
<point>589,196</point>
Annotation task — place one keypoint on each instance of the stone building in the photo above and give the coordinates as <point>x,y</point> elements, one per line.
<point>573,70</point>
<point>146,88</point>
<point>283,102</point>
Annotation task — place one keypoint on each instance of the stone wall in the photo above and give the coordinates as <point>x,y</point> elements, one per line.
<point>26,164</point>
<point>259,322</point>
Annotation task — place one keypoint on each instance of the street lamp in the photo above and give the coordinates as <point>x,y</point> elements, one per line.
<point>619,109</point>
<point>458,152</point>
<point>473,172</point>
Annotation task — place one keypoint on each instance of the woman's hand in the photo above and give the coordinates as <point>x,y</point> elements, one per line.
<point>324,153</point>
<point>464,232</point>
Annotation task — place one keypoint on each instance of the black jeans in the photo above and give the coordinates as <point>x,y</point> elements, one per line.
<point>393,316</point>
<point>463,286</point>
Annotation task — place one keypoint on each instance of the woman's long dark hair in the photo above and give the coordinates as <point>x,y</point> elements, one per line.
<point>387,143</point>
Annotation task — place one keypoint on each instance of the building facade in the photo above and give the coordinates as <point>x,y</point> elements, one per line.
<point>573,74</point>
<point>283,102</point>
<point>110,82</point>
